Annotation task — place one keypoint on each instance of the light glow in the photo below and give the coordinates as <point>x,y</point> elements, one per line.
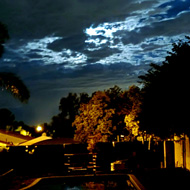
<point>108,29</point>
<point>39,128</point>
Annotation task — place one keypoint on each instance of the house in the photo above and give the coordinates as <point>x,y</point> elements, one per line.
<point>10,138</point>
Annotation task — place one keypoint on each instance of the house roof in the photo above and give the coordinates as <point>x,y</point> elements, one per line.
<point>12,137</point>
<point>35,140</point>
<point>8,137</point>
<point>3,142</point>
<point>57,141</point>
<point>14,134</point>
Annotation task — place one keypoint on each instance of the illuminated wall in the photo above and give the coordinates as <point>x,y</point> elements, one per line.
<point>179,161</point>
<point>182,153</point>
<point>187,152</point>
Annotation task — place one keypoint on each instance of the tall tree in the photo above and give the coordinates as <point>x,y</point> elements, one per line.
<point>102,119</point>
<point>95,119</point>
<point>9,81</point>
<point>131,118</point>
<point>166,94</point>
<point>124,103</point>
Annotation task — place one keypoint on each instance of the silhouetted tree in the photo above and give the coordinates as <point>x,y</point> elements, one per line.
<point>166,93</point>
<point>69,107</point>
<point>13,84</point>
<point>9,81</point>
<point>6,118</point>
<point>4,36</point>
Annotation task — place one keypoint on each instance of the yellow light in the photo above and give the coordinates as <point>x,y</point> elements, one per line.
<point>39,128</point>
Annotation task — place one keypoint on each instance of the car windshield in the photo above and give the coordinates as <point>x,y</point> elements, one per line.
<point>85,182</point>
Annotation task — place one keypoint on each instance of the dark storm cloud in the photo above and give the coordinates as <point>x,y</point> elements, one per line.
<point>94,56</point>
<point>36,18</point>
<point>74,42</point>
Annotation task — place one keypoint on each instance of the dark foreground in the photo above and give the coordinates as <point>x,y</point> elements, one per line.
<point>21,166</point>
<point>173,178</point>
<point>150,179</point>
<point>87,182</point>
<point>111,181</point>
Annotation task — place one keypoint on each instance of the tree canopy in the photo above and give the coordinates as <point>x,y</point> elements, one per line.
<point>166,94</point>
<point>13,84</point>
<point>102,118</point>
<point>95,120</point>
<point>131,119</point>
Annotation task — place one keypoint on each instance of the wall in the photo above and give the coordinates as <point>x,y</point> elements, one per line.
<point>179,157</point>
<point>187,153</point>
<point>182,153</point>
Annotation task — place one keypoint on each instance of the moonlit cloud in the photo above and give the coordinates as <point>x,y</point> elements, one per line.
<point>62,46</point>
<point>37,51</point>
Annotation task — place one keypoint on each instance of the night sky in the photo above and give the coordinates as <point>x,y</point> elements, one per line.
<point>62,46</point>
